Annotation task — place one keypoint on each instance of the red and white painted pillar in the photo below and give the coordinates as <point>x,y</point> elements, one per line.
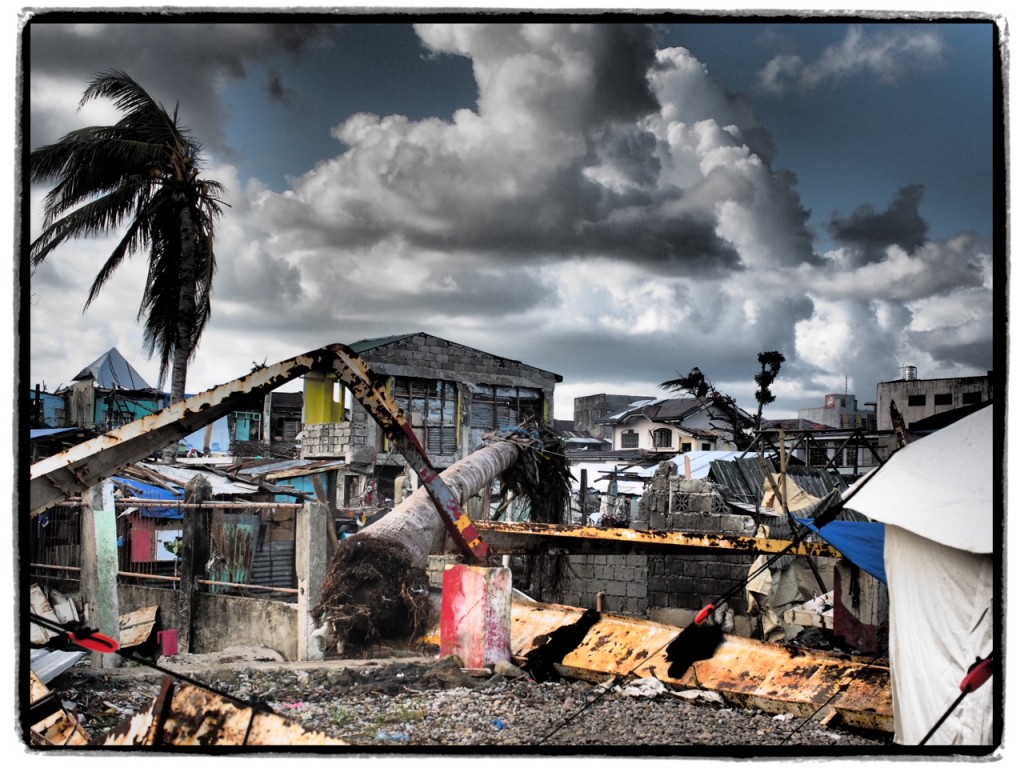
<point>476,614</point>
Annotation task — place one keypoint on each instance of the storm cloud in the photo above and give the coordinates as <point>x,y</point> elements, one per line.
<point>605,209</point>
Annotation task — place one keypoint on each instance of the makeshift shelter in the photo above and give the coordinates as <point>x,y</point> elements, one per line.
<point>935,498</point>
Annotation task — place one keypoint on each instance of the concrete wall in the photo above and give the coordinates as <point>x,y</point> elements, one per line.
<point>222,621</point>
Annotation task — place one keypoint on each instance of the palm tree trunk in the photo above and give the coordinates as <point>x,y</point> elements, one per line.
<point>415,523</point>
<point>376,584</point>
<point>185,319</point>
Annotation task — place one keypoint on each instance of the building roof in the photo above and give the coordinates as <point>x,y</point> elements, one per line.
<point>365,345</point>
<point>111,371</point>
<point>671,410</point>
<point>794,425</point>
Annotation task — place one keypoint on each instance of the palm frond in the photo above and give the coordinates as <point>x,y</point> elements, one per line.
<point>141,173</point>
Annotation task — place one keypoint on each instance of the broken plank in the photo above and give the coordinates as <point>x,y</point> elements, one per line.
<point>137,626</point>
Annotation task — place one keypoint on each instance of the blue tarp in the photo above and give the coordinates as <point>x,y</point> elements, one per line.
<point>862,543</point>
<point>147,491</point>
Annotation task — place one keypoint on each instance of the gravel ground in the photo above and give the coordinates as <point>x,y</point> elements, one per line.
<point>422,702</point>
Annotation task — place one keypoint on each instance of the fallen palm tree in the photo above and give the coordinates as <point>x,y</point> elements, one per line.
<point>376,586</point>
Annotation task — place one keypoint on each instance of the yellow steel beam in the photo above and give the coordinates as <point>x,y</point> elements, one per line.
<point>497,531</point>
<point>774,678</point>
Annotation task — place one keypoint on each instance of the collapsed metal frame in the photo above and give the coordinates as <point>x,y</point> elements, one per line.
<point>79,468</point>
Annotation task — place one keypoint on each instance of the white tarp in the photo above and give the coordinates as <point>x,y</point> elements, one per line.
<point>939,487</point>
<point>940,615</point>
<point>935,496</point>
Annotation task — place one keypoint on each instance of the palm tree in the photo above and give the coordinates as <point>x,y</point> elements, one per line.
<point>376,583</point>
<point>142,171</point>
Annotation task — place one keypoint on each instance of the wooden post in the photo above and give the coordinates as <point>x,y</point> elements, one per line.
<point>583,496</point>
<point>195,552</point>
<point>311,560</point>
<point>99,568</point>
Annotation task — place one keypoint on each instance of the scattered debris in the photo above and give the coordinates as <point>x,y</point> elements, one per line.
<point>188,715</point>
<point>51,725</point>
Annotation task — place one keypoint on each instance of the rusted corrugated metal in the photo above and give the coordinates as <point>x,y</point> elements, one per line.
<point>190,716</point>
<point>746,672</point>
<point>51,724</point>
<point>274,565</point>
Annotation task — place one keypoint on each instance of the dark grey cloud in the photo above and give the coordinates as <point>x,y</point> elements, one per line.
<point>178,59</point>
<point>869,232</point>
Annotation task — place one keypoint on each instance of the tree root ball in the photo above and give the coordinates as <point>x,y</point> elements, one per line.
<point>373,592</point>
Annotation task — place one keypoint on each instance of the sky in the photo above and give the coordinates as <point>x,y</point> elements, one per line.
<point>617,202</point>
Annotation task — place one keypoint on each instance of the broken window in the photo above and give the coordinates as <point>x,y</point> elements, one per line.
<point>430,407</point>
<point>247,425</point>
<point>495,407</point>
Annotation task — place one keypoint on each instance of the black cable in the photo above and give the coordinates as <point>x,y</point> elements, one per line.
<point>258,706</point>
<point>829,514</point>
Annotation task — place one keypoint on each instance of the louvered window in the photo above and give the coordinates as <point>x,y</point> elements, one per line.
<point>430,406</point>
<point>495,407</point>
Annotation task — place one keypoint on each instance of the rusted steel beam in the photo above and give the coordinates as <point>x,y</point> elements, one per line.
<point>82,466</point>
<point>511,538</point>
<point>73,471</point>
<point>746,672</point>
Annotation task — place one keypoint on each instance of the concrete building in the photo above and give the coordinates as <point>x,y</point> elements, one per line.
<point>590,411</point>
<point>917,399</point>
<point>674,425</point>
<point>841,411</point>
<point>451,394</point>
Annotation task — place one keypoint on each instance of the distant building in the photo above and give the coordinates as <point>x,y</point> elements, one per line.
<point>590,411</point>
<point>673,425</point>
<point>840,411</point>
<point>109,393</point>
<point>918,399</point>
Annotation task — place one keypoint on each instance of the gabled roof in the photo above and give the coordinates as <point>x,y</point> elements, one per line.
<point>111,371</point>
<point>365,345</point>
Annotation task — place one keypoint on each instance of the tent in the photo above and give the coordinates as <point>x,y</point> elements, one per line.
<point>935,498</point>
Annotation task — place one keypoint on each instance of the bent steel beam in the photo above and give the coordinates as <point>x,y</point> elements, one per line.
<point>73,471</point>
<point>372,392</point>
<point>82,466</point>
<point>513,538</point>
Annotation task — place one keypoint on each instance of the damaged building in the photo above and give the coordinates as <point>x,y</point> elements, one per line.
<point>451,394</point>
<point>679,533</point>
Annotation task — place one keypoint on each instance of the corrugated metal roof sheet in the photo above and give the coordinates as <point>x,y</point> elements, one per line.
<point>381,341</point>
<point>111,371</point>
<point>221,486</point>
<point>745,478</point>
<point>49,664</point>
